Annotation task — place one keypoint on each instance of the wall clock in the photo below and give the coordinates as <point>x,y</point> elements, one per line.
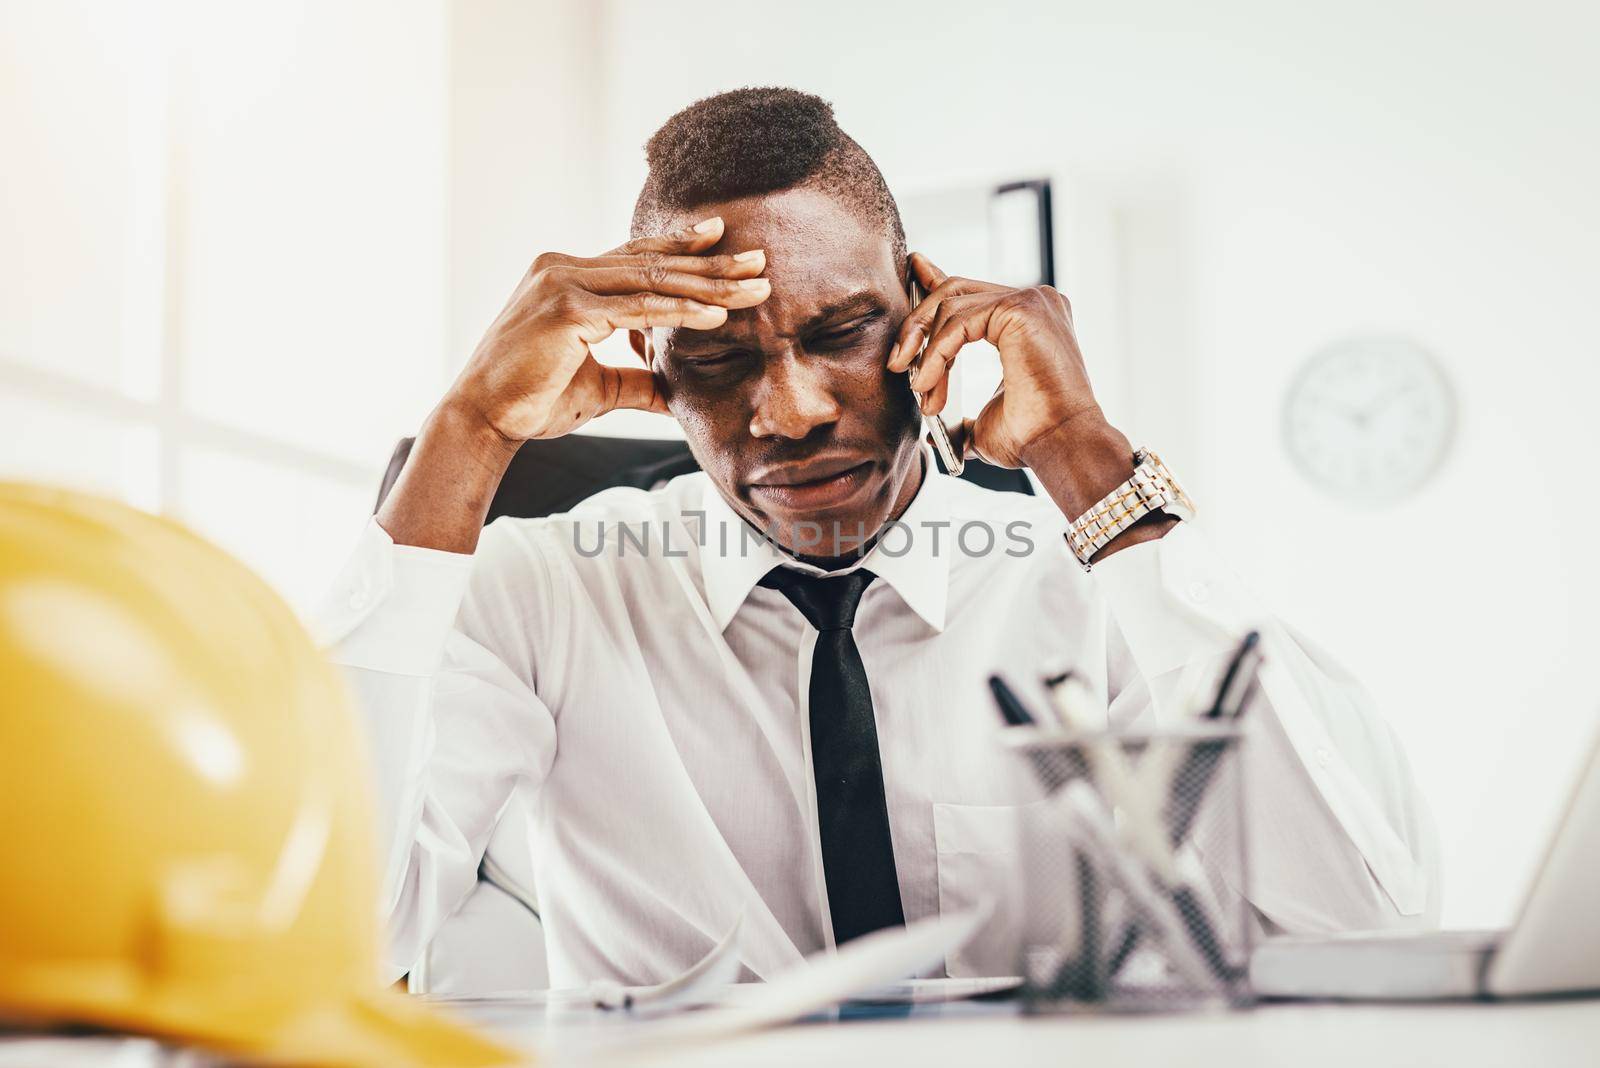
<point>1368,420</point>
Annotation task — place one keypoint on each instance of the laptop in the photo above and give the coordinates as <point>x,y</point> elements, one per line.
<point>1553,948</point>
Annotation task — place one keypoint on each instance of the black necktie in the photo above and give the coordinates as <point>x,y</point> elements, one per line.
<point>857,854</point>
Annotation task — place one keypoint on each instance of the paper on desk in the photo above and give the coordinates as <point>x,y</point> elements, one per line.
<point>717,969</point>
<point>822,981</point>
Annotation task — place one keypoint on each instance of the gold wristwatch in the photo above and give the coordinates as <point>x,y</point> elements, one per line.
<point>1151,489</point>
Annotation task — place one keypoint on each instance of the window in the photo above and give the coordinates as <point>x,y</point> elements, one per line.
<point>222,291</point>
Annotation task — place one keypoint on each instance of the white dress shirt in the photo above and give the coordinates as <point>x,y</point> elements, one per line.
<point>641,703</point>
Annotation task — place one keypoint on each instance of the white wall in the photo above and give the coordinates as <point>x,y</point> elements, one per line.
<point>1281,176</point>
<point>222,257</point>
<point>525,104</point>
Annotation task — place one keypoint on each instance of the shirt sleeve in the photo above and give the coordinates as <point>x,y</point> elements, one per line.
<point>1338,836</point>
<point>452,727</point>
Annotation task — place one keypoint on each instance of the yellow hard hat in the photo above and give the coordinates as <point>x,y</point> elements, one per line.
<point>185,813</point>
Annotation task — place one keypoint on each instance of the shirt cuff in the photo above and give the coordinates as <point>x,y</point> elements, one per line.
<point>1175,600</point>
<point>392,605</point>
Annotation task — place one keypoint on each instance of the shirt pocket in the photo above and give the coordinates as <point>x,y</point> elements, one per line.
<point>980,850</point>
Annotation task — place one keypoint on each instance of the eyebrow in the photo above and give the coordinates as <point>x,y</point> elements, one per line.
<point>861,302</point>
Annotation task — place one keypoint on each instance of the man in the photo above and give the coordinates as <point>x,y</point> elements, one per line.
<point>760,690</point>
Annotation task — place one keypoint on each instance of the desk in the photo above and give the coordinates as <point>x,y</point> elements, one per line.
<point>1548,1034</point>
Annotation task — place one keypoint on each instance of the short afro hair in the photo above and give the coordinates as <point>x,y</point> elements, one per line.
<point>747,142</point>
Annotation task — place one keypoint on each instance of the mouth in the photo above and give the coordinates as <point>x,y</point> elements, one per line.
<point>813,485</point>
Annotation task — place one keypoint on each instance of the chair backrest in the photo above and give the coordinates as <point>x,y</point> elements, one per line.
<point>552,475</point>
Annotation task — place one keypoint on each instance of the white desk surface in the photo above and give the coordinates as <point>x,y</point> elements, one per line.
<point>1545,1034</point>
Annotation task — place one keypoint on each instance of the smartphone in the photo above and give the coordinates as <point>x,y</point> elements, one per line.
<point>934,424</point>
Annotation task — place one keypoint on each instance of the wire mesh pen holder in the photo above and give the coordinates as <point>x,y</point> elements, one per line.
<point>1131,861</point>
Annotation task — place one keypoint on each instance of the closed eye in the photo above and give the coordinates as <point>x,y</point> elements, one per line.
<point>846,334</point>
<point>713,361</point>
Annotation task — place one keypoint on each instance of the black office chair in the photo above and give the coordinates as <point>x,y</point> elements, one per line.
<point>550,476</point>
<point>495,939</point>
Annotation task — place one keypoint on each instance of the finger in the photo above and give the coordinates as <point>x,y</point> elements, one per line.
<point>951,308</point>
<point>908,339</point>
<point>648,278</point>
<point>696,238</point>
<point>962,320</point>
<point>975,436</point>
<point>911,329</point>
<point>916,326</point>
<point>927,274</point>
<point>741,265</point>
<point>633,388</point>
<point>597,318</point>
<point>935,399</point>
<point>961,439</point>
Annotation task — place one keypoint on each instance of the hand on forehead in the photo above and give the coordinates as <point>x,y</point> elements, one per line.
<point>819,256</point>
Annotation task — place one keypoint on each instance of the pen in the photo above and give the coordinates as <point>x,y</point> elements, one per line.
<point>1012,710</point>
<point>1153,907</point>
<point>1138,805</point>
<point>1071,712</point>
<point>1194,776</point>
<point>1053,768</point>
<point>1078,977</point>
<point>1140,822</point>
<point>1193,913</point>
<point>1188,789</point>
<point>1081,976</point>
<point>1231,676</point>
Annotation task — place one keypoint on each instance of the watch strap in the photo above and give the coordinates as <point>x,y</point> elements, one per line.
<point>1151,488</point>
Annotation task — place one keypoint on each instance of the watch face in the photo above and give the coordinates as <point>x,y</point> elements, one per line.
<point>1369,420</point>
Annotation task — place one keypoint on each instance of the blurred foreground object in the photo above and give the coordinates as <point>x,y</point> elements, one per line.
<point>187,828</point>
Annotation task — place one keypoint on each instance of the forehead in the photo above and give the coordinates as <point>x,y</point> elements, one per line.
<point>819,252</point>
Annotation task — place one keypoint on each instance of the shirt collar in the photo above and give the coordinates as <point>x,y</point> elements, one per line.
<point>914,561</point>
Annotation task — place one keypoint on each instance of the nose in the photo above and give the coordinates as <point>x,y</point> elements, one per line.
<point>795,397</point>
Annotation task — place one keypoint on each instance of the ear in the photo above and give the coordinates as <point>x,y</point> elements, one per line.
<point>644,345</point>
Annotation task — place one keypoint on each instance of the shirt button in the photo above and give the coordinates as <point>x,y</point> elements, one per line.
<point>358,598</point>
<point>1199,592</point>
<point>1323,756</point>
